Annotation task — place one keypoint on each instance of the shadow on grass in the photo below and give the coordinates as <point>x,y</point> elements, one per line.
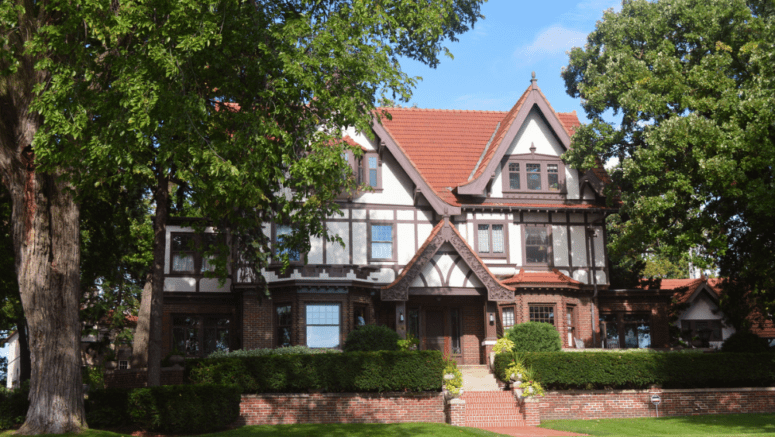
<point>353,430</point>
<point>718,425</point>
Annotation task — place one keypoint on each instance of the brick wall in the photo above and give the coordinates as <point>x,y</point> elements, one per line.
<point>136,378</point>
<point>561,300</point>
<point>272,409</point>
<point>456,410</point>
<point>600,404</point>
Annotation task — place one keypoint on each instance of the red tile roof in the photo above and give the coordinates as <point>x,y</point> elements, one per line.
<point>552,279</point>
<point>447,146</point>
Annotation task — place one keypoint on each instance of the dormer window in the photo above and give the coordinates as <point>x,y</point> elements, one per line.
<point>533,173</point>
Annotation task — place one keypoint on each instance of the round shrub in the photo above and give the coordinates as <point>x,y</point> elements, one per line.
<point>745,341</point>
<point>534,337</point>
<point>370,338</point>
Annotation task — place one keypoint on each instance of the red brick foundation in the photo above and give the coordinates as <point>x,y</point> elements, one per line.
<point>272,409</point>
<point>136,378</point>
<point>599,404</point>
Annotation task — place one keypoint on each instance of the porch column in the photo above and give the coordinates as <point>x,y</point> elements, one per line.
<point>401,319</point>
<point>490,328</point>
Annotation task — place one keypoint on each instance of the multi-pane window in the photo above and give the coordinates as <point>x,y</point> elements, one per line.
<point>694,328</point>
<point>570,323</point>
<point>200,335</point>
<point>514,176</point>
<point>123,364</point>
<point>281,233</point>
<point>359,315</point>
<point>284,323</point>
<point>455,325</point>
<point>623,330</point>
<point>188,250</point>
<point>322,325</point>
<point>533,176</point>
<point>553,177</point>
<point>508,317</point>
<point>382,241</point>
<point>542,313</point>
<point>491,239</point>
<point>536,245</point>
<point>372,162</point>
<point>413,322</point>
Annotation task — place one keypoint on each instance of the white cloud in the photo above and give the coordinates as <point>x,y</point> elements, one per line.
<point>553,41</point>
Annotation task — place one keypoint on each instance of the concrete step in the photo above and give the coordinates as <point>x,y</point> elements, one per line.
<point>478,378</point>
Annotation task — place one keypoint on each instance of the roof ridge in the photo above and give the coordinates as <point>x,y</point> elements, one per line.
<point>476,111</point>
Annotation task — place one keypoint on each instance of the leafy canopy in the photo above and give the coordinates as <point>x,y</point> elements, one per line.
<point>681,93</point>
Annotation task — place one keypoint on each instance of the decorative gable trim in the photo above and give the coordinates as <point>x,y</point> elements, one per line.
<point>535,97</point>
<point>442,233</point>
<point>441,207</point>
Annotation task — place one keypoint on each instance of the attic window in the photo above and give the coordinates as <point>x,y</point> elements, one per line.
<point>533,173</point>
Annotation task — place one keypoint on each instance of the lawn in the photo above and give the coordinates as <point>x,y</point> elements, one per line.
<point>329,430</point>
<point>716,425</point>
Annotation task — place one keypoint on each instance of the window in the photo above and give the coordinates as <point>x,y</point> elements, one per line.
<point>491,240</point>
<point>187,251</point>
<point>508,317</point>
<point>372,160</point>
<point>622,330</point>
<point>455,322</point>
<point>533,173</point>
<point>413,322</point>
<point>360,317</point>
<point>198,336</point>
<point>382,240</point>
<point>537,247</point>
<point>284,323</point>
<point>542,313</point>
<point>123,365</point>
<point>694,328</point>
<point>322,325</point>
<point>370,171</point>
<point>280,233</point>
<point>570,324</point>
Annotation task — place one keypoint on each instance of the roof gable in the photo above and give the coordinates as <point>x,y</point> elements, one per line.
<point>443,233</point>
<point>507,131</point>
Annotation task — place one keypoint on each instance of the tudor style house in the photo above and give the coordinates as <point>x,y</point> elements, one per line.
<point>473,224</point>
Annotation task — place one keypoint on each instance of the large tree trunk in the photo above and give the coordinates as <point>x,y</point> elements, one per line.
<point>47,254</point>
<point>162,197</point>
<point>142,331</point>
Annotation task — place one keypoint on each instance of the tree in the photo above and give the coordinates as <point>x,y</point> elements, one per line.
<point>690,86</point>
<point>236,101</point>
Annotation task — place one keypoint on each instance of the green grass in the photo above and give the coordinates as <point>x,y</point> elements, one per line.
<point>328,430</point>
<point>716,425</point>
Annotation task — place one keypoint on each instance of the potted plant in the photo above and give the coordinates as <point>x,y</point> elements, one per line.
<point>531,388</point>
<point>177,357</point>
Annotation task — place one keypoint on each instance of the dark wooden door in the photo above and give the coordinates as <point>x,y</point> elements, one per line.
<point>434,330</point>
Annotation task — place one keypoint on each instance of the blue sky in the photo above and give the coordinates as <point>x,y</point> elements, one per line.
<point>493,61</point>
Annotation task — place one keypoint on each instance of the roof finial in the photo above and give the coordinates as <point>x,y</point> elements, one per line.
<point>533,80</point>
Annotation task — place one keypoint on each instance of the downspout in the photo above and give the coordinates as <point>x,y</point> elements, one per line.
<point>592,234</point>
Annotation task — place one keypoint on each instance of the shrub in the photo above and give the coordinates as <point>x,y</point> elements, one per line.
<point>601,370</point>
<point>13,405</point>
<point>745,341</point>
<point>455,384</point>
<point>171,408</point>
<point>534,337</point>
<point>276,351</point>
<point>503,345</point>
<point>344,372</point>
<point>371,338</point>
<point>94,377</point>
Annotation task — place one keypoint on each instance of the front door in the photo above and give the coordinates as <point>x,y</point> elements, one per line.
<point>434,330</point>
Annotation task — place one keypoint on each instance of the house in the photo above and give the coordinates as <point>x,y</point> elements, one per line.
<point>474,223</point>
<point>13,372</point>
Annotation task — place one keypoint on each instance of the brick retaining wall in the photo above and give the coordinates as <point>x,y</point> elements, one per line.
<point>606,404</point>
<point>272,409</point>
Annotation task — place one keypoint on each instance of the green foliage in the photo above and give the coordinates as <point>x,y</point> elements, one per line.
<point>532,388</point>
<point>617,370</point>
<point>13,405</point>
<point>679,92</point>
<point>94,377</point>
<point>171,408</point>
<point>344,372</point>
<point>745,342</point>
<point>410,343</point>
<point>515,366</point>
<point>534,337</point>
<point>289,350</point>
<point>455,384</point>
<point>503,345</point>
<point>372,338</point>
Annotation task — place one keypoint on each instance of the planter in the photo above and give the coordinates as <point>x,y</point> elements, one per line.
<point>111,365</point>
<point>449,376</point>
<point>177,360</point>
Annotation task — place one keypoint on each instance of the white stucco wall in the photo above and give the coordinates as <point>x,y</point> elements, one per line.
<point>703,308</point>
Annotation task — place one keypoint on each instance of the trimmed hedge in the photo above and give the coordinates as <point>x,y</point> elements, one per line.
<point>534,337</point>
<point>371,338</point>
<point>171,408</point>
<point>346,372</point>
<point>745,341</point>
<point>599,370</point>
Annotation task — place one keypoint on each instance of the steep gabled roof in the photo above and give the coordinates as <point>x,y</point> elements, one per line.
<point>445,232</point>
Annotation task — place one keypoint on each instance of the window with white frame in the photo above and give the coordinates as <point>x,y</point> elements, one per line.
<point>382,240</point>
<point>323,323</point>
<point>508,317</point>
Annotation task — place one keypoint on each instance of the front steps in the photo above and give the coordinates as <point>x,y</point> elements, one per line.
<point>487,405</point>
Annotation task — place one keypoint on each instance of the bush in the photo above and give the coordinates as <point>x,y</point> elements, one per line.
<point>371,338</point>
<point>276,351</point>
<point>344,372</point>
<point>13,405</point>
<point>171,408</point>
<point>614,370</point>
<point>534,337</point>
<point>745,341</point>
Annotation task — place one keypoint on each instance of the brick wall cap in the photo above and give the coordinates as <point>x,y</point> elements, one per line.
<point>456,401</point>
<point>531,400</point>
<point>387,394</point>
<point>660,390</point>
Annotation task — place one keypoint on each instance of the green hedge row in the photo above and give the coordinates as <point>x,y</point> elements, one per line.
<point>598,370</point>
<point>171,408</point>
<point>346,372</point>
